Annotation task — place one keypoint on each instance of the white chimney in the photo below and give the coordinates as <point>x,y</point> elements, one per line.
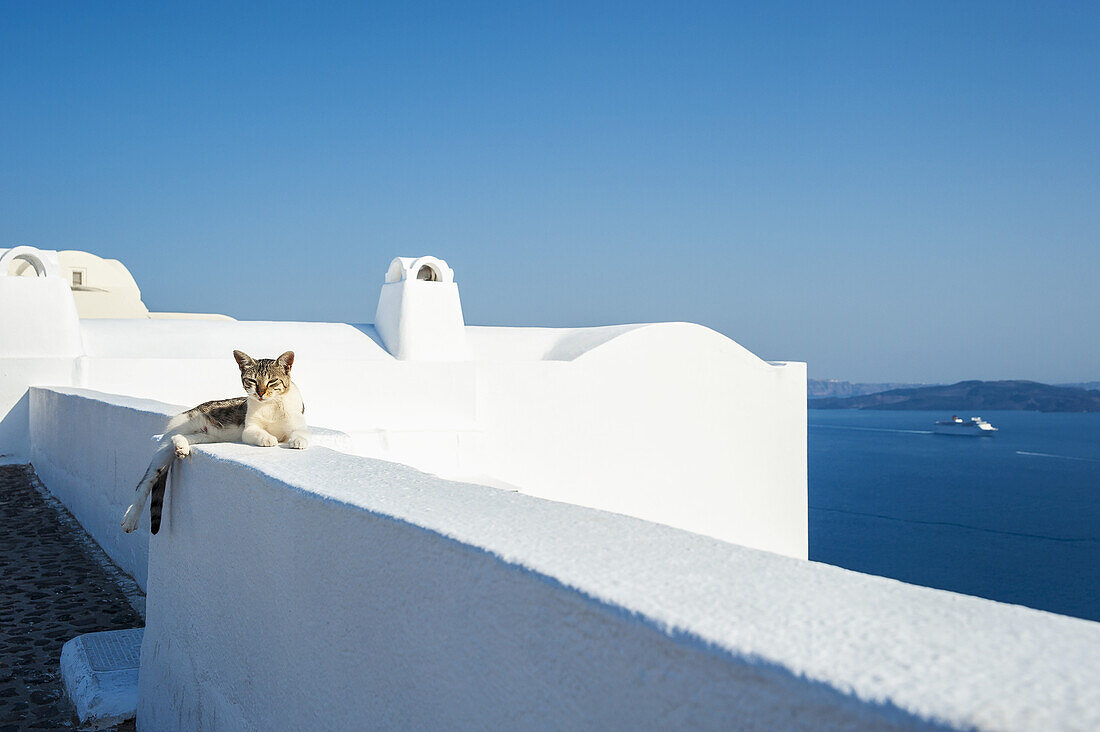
<point>419,314</point>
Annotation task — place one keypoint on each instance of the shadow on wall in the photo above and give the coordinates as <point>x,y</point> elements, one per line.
<point>14,427</point>
<point>457,637</point>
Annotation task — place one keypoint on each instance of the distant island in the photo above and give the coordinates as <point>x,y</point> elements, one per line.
<point>821,388</point>
<point>973,395</point>
<point>1084,385</point>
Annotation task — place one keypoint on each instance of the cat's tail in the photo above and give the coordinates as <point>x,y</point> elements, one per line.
<point>156,503</point>
<point>155,477</point>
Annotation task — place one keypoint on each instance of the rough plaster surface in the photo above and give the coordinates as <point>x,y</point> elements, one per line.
<point>323,590</point>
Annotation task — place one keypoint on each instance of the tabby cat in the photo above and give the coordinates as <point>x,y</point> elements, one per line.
<point>270,413</point>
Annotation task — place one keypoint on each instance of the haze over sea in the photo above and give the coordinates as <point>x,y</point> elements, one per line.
<point>1014,517</point>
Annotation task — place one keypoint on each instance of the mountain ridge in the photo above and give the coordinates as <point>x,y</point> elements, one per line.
<point>964,395</point>
<point>821,388</point>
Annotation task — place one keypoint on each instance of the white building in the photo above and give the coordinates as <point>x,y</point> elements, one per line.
<point>669,422</point>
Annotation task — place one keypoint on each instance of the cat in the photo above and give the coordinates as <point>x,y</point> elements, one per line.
<point>272,412</point>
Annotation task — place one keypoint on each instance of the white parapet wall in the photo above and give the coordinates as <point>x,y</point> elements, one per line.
<point>325,590</point>
<point>321,590</point>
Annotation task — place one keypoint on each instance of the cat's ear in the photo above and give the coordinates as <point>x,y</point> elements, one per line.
<point>243,360</point>
<point>286,361</point>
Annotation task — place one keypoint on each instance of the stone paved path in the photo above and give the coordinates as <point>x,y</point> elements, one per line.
<point>50,591</point>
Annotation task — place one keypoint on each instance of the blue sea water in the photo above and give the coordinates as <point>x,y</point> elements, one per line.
<point>1014,517</point>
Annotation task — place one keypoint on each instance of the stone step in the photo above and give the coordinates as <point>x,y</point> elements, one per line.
<point>100,672</point>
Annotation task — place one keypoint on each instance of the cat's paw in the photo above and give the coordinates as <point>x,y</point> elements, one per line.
<point>130,520</point>
<point>298,442</point>
<point>266,440</point>
<point>183,447</point>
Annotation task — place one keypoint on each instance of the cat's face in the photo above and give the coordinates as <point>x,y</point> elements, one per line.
<point>265,378</point>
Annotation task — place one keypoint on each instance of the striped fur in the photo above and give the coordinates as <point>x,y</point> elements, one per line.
<point>156,502</point>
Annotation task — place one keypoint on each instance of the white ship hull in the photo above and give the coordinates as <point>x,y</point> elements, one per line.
<point>975,427</point>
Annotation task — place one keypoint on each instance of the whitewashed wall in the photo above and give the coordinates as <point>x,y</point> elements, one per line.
<point>671,422</point>
<point>90,450</point>
<point>320,590</point>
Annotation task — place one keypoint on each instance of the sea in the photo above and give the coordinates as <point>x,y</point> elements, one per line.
<point>1013,517</point>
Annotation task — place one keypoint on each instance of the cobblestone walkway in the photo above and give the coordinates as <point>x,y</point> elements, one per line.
<point>50,591</point>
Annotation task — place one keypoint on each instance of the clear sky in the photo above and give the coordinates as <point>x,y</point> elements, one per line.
<point>888,191</point>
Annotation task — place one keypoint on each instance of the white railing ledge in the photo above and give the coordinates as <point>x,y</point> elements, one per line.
<point>404,598</point>
<point>912,654</point>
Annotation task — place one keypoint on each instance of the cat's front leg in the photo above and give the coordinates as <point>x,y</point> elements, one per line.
<point>299,433</point>
<point>183,443</point>
<point>183,447</point>
<point>259,436</point>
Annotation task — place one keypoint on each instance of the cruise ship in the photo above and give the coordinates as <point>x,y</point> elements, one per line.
<point>976,427</point>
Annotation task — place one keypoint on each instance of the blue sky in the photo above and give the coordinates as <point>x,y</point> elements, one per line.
<point>888,191</point>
